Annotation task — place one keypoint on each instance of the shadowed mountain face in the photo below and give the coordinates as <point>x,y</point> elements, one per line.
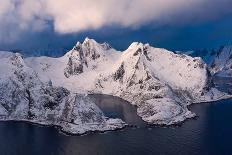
<point>222,62</point>
<point>219,60</point>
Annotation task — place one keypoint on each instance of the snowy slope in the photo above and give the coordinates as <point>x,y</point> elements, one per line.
<point>25,97</point>
<point>158,81</point>
<point>78,68</point>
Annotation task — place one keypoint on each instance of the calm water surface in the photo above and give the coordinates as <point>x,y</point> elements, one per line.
<point>116,107</point>
<point>210,133</point>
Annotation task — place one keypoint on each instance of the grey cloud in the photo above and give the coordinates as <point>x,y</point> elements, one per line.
<point>70,16</point>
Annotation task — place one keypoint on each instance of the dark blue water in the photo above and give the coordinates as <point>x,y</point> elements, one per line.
<point>115,107</point>
<point>211,133</point>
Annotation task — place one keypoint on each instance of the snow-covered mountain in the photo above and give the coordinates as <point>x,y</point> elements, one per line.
<point>222,62</point>
<point>158,81</point>
<point>24,97</point>
<point>219,60</point>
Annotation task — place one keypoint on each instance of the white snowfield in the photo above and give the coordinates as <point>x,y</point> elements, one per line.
<point>53,90</point>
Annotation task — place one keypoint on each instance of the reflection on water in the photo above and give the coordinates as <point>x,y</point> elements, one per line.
<point>116,107</point>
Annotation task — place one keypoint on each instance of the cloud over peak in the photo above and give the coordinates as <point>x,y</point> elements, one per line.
<point>70,16</point>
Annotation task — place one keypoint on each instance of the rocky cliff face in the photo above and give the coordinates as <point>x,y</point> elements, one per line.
<point>88,56</point>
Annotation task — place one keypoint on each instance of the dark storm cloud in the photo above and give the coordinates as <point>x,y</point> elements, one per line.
<point>41,22</point>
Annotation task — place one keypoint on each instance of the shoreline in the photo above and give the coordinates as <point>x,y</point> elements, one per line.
<point>60,128</point>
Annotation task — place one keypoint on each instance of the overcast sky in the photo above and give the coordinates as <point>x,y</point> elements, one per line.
<point>172,24</point>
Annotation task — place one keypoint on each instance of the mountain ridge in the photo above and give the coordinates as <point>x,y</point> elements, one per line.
<point>159,82</point>
<point>135,75</point>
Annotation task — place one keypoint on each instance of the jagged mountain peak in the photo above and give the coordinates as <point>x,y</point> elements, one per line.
<point>90,47</point>
<point>92,43</point>
<point>136,45</point>
<point>225,51</point>
<point>136,49</point>
<point>88,40</point>
<point>89,55</point>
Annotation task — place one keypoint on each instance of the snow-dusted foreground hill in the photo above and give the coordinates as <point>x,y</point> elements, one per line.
<point>24,97</point>
<point>162,84</point>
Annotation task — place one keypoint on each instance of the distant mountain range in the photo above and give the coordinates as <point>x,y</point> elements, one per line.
<point>36,52</point>
<point>219,60</point>
<point>159,82</point>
